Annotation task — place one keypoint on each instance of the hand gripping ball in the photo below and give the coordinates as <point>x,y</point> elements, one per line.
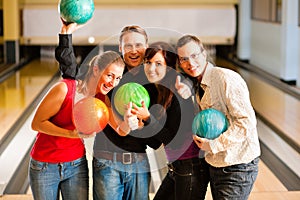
<point>130,92</point>
<point>78,11</point>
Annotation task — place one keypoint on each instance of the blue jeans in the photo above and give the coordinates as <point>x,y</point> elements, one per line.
<point>114,180</point>
<point>186,179</point>
<point>71,178</point>
<point>233,182</point>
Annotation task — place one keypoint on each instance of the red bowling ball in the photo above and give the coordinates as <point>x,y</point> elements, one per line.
<point>90,115</point>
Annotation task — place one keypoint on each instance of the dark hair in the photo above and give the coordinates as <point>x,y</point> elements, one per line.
<point>165,89</point>
<point>102,61</point>
<point>167,51</point>
<point>133,28</point>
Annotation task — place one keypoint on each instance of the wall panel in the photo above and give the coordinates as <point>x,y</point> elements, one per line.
<point>213,24</point>
<point>138,2</point>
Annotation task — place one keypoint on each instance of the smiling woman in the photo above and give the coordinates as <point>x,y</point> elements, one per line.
<point>155,68</point>
<point>174,116</point>
<point>59,140</point>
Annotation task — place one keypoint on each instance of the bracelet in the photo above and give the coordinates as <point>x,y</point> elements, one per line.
<point>118,128</point>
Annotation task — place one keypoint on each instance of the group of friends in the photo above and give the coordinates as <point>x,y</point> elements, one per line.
<point>181,81</point>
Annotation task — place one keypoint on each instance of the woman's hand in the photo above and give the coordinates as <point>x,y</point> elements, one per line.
<point>84,136</point>
<point>141,112</point>
<point>77,134</point>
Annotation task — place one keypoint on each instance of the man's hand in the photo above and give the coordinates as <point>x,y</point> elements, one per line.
<point>202,143</point>
<point>69,28</point>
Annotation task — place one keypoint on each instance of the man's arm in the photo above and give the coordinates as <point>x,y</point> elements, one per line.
<point>64,52</point>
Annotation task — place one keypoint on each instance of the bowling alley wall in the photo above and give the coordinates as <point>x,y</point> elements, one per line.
<point>213,21</point>
<point>273,47</point>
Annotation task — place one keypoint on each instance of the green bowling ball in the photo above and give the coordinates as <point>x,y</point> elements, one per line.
<point>130,92</point>
<point>78,11</point>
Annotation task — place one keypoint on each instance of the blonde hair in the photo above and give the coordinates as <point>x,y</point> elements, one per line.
<point>102,61</point>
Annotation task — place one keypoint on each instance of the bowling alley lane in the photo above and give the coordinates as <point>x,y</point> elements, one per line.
<point>20,90</point>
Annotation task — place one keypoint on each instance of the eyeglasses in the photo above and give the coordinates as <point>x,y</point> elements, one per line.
<point>191,57</point>
<point>129,47</point>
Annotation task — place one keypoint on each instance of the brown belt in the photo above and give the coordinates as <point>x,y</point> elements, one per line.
<point>125,158</point>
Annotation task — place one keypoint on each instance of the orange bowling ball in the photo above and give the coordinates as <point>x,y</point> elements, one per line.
<point>90,115</point>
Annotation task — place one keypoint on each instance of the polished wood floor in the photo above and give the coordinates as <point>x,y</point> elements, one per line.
<point>19,90</point>
<point>280,109</point>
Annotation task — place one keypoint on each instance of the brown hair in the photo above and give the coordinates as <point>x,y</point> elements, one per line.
<point>133,28</point>
<point>165,94</point>
<point>188,38</point>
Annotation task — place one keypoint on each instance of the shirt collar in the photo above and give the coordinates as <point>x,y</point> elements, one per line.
<point>206,75</point>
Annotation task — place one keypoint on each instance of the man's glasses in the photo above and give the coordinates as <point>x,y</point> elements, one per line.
<point>193,56</point>
<point>130,47</point>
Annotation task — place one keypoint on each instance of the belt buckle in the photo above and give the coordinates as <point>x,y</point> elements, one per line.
<point>126,158</point>
<point>171,168</point>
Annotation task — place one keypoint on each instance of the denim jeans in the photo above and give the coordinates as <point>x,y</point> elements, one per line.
<point>233,182</point>
<point>186,179</point>
<point>114,180</point>
<point>70,178</point>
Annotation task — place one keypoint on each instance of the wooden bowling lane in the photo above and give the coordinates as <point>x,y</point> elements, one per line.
<point>19,90</point>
